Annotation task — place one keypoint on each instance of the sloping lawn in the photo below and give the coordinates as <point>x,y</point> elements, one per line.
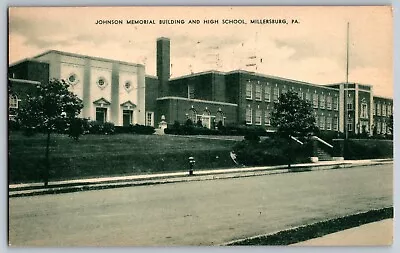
<point>102,155</point>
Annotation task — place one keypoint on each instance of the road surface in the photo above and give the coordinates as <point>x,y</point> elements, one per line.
<point>197,213</point>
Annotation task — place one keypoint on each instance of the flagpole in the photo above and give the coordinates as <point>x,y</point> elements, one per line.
<point>347,83</point>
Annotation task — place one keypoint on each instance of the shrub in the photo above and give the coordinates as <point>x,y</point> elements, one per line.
<point>272,151</point>
<point>76,128</point>
<point>368,149</point>
<point>252,137</point>
<point>141,129</point>
<point>96,127</point>
<point>108,128</point>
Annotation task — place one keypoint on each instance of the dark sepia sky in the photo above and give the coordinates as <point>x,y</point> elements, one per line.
<point>313,50</point>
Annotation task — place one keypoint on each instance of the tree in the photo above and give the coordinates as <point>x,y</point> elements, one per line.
<point>50,106</point>
<point>293,116</point>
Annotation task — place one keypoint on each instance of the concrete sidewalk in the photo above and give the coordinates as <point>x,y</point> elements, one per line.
<point>378,233</point>
<point>30,189</point>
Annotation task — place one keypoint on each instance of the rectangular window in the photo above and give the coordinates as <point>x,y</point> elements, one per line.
<point>349,104</point>
<point>322,101</point>
<point>276,94</point>
<point>258,92</point>
<point>101,114</point>
<point>378,127</point>
<point>249,90</point>
<point>384,127</point>
<point>322,122</point>
<point>335,123</point>
<point>350,124</point>
<point>299,94</point>
<point>374,110</point>
<point>12,102</point>
<point>191,91</point>
<point>308,97</point>
<point>267,118</point>
<point>267,93</point>
<point>328,123</point>
<point>378,109</point>
<point>389,110</point>
<point>329,102</point>
<point>364,111</point>
<point>127,116</point>
<point>335,103</point>
<point>315,100</point>
<point>383,110</point>
<point>149,118</point>
<point>258,117</point>
<point>249,116</point>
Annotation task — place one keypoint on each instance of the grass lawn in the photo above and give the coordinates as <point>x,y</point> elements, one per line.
<point>102,155</point>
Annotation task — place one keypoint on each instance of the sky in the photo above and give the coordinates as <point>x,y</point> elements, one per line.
<point>311,50</point>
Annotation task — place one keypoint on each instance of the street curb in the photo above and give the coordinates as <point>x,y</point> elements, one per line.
<point>181,177</point>
<point>314,230</point>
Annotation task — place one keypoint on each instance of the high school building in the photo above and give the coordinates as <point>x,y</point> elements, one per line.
<point>122,93</point>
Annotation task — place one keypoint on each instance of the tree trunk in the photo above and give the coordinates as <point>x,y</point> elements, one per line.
<point>47,165</point>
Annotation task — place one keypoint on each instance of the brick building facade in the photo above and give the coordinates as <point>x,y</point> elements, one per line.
<point>124,94</point>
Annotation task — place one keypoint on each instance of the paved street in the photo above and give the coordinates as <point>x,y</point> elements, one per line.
<point>197,213</point>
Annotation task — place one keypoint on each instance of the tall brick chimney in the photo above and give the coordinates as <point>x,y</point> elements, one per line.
<point>163,65</point>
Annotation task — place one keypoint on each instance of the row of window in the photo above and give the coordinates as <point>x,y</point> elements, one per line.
<point>324,123</point>
<point>327,122</point>
<point>319,101</point>
<point>257,120</point>
<point>205,117</point>
<point>101,82</point>
<point>382,128</point>
<point>382,109</point>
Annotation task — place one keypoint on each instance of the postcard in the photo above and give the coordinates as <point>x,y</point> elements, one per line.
<point>200,126</point>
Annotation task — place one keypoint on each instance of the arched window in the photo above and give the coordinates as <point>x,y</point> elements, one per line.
<point>192,115</point>
<point>219,117</point>
<point>206,113</point>
<point>206,118</point>
<point>13,101</point>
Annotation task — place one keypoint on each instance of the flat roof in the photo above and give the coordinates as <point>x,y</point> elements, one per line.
<point>25,60</point>
<point>382,97</point>
<point>196,100</point>
<point>87,57</point>
<point>280,78</point>
<point>198,74</point>
<point>23,81</point>
<point>251,73</point>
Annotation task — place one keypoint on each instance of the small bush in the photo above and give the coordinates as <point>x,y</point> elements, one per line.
<point>76,128</point>
<point>96,127</point>
<point>108,128</point>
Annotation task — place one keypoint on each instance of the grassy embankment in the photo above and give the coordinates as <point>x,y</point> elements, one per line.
<point>102,155</point>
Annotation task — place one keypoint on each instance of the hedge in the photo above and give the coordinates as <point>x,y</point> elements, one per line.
<point>135,129</point>
<point>271,151</point>
<point>234,130</point>
<point>363,148</point>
